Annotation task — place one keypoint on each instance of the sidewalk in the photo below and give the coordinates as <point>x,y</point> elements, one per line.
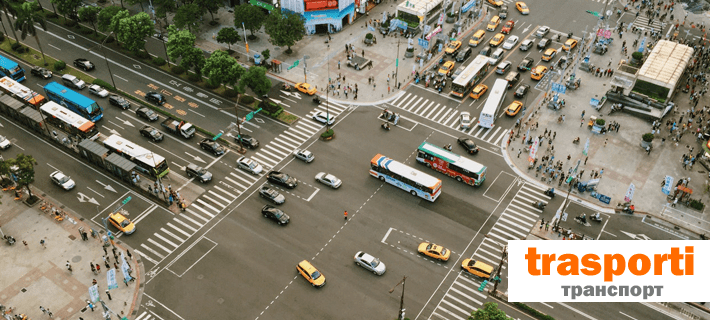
<point>619,154</point>
<point>34,276</point>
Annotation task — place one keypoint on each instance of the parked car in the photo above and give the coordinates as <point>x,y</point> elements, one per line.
<point>155,98</point>
<point>526,64</point>
<point>457,72</point>
<point>97,90</point>
<point>370,263</point>
<point>272,195</point>
<point>41,72</point>
<point>5,143</point>
<point>514,108</point>
<point>542,31</point>
<point>543,43</point>
<point>249,165</point>
<point>503,67</point>
<point>212,146</point>
<point>478,91</point>
<point>275,214</point>
<point>200,173</point>
<point>147,114</point>
<point>508,27</point>
<point>511,42</point>
<point>83,64</point>
<point>526,44</point>
<point>304,155</point>
<point>119,101</point>
<point>62,180</point>
<point>306,88</point>
<point>468,144</point>
<point>329,180</point>
<point>283,179</point>
<point>152,133</point>
<point>247,141</point>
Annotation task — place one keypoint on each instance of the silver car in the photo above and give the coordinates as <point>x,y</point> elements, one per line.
<point>96,89</point>
<point>304,155</point>
<point>511,42</point>
<point>4,143</point>
<point>329,180</point>
<point>62,180</point>
<point>250,165</point>
<point>370,263</point>
<point>526,45</point>
<point>466,120</point>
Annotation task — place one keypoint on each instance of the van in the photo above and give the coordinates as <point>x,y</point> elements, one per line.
<point>496,56</point>
<point>73,82</point>
<point>477,38</point>
<point>478,268</point>
<point>512,77</point>
<point>493,24</point>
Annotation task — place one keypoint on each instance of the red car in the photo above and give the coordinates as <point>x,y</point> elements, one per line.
<point>508,26</point>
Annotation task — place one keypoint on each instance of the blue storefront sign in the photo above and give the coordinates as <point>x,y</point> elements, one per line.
<point>468,6</point>
<point>668,184</point>
<point>604,198</point>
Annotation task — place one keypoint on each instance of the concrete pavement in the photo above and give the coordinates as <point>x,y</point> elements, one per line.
<point>35,276</point>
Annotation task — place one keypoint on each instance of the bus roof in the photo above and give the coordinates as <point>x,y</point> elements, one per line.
<point>15,88</point>
<point>495,97</point>
<point>67,116</point>
<point>405,170</point>
<point>133,150</point>
<point>471,70</point>
<point>69,94</point>
<point>451,157</point>
<point>6,63</point>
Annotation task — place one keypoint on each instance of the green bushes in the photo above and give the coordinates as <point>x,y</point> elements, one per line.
<point>246,99</point>
<point>327,134</point>
<point>158,61</point>
<point>533,312</point>
<point>601,122</point>
<point>59,65</point>
<point>210,85</point>
<point>110,39</point>
<point>230,93</point>
<point>142,54</point>
<point>104,84</point>
<point>637,55</point>
<point>2,37</point>
<point>696,204</point>
<point>17,47</point>
<point>193,77</point>
<point>70,23</point>
<point>648,137</point>
<point>270,108</point>
<point>177,70</point>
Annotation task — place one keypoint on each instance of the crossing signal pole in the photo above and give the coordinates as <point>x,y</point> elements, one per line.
<point>400,316</point>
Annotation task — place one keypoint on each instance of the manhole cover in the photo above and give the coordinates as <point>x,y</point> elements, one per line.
<point>200,277</point>
<point>24,290</point>
<point>220,301</point>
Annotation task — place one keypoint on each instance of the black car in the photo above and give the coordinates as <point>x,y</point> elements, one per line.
<point>526,64</point>
<point>155,97</point>
<point>544,43</point>
<point>522,90</point>
<point>83,64</point>
<point>486,51</point>
<point>212,146</point>
<point>247,141</point>
<point>275,214</point>
<point>41,72</point>
<point>147,114</point>
<point>152,133</point>
<point>468,144</point>
<point>272,195</point>
<point>282,179</point>
<point>463,55</point>
<point>193,170</point>
<point>119,101</point>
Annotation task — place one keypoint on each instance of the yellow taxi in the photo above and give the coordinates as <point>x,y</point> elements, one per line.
<point>452,47</point>
<point>121,223</point>
<point>538,72</point>
<point>434,251</point>
<point>496,3</point>
<point>308,271</point>
<point>514,108</point>
<point>306,88</point>
<point>522,7</point>
<point>478,91</point>
<point>497,40</point>
<point>446,68</point>
<point>569,45</point>
<point>549,54</point>
<point>477,38</point>
<point>493,24</point>
<point>477,268</point>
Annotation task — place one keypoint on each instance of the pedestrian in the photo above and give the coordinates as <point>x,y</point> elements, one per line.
<point>338,64</point>
<point>69,266</point>
<point>583,111</point>
<point>541,225</point>
<point>519,152</point>
<point>345,215</point>
<point>115,266</point>
<point>94,282</point>
<point>675,201</point>
<point>581,123</point>
<point>554,135</point>
<point>43,309</point>
<point>98,268</point>
<point>115,257</point>
<point>128,253</point>
<point>108,294</point>
<point>42,242</point>
<point>106,263</point>
<point>24,242</point>
<point>363,53</point>
<point>49,312</point>
<point>105,252</point>
<point>547,226</point>
<point>91,305</point>
<point>648,150</point>
<point>605,141</point>
<point>93,269</point>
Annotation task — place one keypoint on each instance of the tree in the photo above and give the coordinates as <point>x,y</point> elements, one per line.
<point>266,54</point>
<point>163,7</point>
<point>210,5</point>
<point>252,17</point>
<point>228,35</point>
<point>25,171</point>
<point>132,2</point>
<point>66,6</point>
<point>91,15</point>
<point>105,15</point>
<point>489,311</point>
<point>133,30</point>
<point>188,16</point>
<point>116,22</point>
<point>222,69</point>
<point>27,17</point>
<point>9,9</point>
<point>255,78</point>
<point>285,29</point>
<point>181,45</point>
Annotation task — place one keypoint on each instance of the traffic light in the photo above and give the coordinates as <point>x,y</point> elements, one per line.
<point>594,13</point>
<point>483,285</point>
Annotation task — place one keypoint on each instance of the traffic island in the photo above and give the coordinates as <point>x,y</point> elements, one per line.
<point>327,135</point>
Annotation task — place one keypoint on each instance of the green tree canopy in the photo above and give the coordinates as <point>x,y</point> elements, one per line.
<point>104,18</point>
<point>188,16</point>
<point>133,30</point>
<point>256,80</point>
<point>227,35</point>
<point>210,5</point>
<point>27,16</point>
<point>163,7</point>
<point>26,170</point>
<point>285,29</point>
<point>489,311</point>
<point>66,7</point>
<point>181,45</point>
<point>133,2</point>
<point>252,17</point>
<point>91,15</point>
<point>223,69</point>
<point>9,9</point>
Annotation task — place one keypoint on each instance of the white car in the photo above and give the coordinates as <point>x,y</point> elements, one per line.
<point>304,155</point>
<point>526,45</point>
<point>321,117</point>
<point>511,42</point>
<point>97,90</point>
<point>542,31</point>
<point>466,120</point>
<point>4,143</point>
<point>329,180</point>
<point>249,165</point>
<point>370,263</point>
<point>62,180</point>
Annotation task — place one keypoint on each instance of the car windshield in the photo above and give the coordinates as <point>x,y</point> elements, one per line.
<point>375,262</point>
<point>215,145</point>
<point>2,138</point>
<point>278,214</point>
<point>315,275</point>
<point>149,112</point>
<point>62,178</point>
<point>443,251</point>
<point>153,132</point>
<point>202,171</point>
<point>251,164</point>
<point>125,223</point>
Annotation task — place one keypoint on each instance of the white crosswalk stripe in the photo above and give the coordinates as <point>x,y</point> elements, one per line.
<point>206,207</point>
<point>463,297</point>
<point>642,22</point>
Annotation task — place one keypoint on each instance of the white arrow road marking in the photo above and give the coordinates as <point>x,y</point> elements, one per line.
<point>113,131</point>
<point>106,186</point>
<point>196,158</point>
<point>84,198</point>
<point>636,236</point>
<point>126,122</point>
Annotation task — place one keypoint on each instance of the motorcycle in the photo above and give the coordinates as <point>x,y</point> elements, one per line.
<point>576,140</point>
<point>569,35</point>
<point>626,207</point>
<point>286,87</point>
<point>581,219</point>
<point>596,217</point>
<point>317,100</point>
<point>539,204</point>
<point>448,147</point>
<point>385,126</point>
<point>550,192</point>
<point>10,240</point>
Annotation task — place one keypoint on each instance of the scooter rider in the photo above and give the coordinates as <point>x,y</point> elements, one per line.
<point>583,218</point>
<point>596,217</point>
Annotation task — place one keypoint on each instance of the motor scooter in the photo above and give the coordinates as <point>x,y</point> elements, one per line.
<point>10,240</point>
<point>317,100</point>
<point>539,204</point>
<point>596,217</point>
<point>581,220</point>
<point>385,125</point>
<point>550,192</point>
<point>626,207</point>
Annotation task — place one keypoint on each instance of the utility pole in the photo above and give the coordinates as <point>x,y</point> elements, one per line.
<point>327,88</point>
<point>400,316</point>
<point>496,279</point>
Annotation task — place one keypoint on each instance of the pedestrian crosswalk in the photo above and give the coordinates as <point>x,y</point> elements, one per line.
<point>223,192</point>
<point>515,222</point>
<point>447,116</point>
<point>642,22</point>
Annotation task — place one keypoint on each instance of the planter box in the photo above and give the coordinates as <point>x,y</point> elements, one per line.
<point>328,138</point>
<point>408,54</point>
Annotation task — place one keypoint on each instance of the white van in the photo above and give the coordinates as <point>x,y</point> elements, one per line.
<point>73,82</point>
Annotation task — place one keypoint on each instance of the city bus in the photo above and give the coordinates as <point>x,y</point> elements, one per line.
<point>9,68</point>
<point>405,177</point>
<point>146,161</point>
<point>460,168</point>
<point>495,99</point>
<point>470,76</point>
<point>74,101</point>
<point>68,121</point>
<point>15,89</point>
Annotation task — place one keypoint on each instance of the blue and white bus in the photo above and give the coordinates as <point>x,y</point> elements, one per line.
<point>9,68</point>
<point>74,101</point>
<point>405,177</point>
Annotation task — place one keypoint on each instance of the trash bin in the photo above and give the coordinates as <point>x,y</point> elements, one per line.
<point>257,59</point>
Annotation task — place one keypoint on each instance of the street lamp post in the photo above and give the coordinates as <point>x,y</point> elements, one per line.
<point>327,89</point>
<point>400,316</point>
<point>105,59</point>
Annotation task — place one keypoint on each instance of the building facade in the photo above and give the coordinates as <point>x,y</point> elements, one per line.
<point>323,15</point>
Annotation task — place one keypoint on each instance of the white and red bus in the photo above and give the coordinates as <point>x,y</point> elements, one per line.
<point>15,89</point>
<point>405,177</point>
<point>460,168</point>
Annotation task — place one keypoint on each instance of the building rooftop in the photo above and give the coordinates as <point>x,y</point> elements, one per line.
<point>666,63</point>
<point>418,7</point>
